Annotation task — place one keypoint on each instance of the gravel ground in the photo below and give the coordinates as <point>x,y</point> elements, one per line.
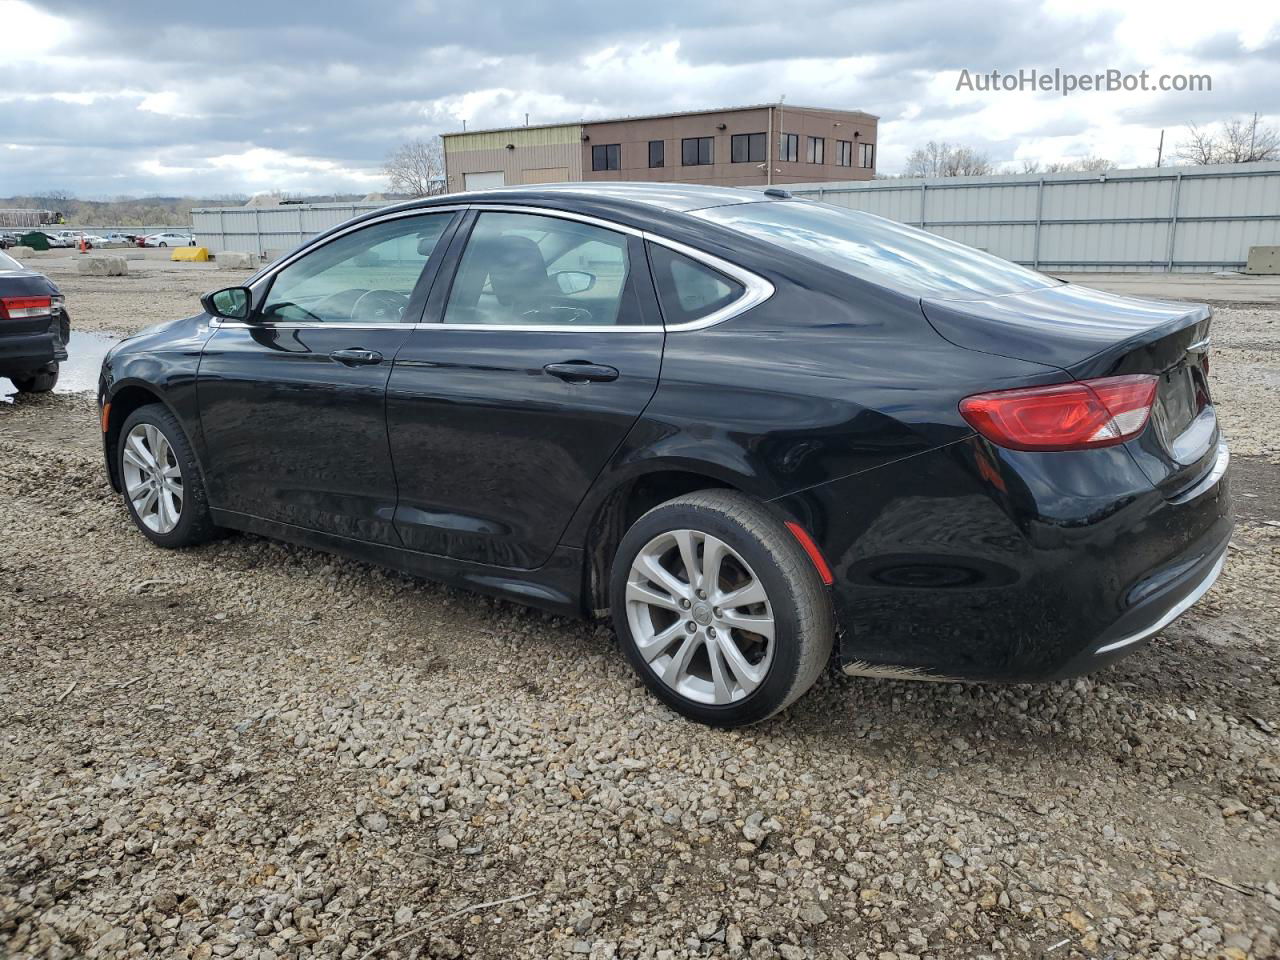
<point>254,750</point>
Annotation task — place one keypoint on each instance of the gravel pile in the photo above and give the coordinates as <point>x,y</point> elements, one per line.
<point>252,750</point>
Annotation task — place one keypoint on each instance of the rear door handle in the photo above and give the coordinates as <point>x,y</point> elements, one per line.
<point>582,371</point>
<point>356,357</point>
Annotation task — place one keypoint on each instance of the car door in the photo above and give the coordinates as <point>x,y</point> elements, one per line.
<point>292,402</point>
<point>533,365</point>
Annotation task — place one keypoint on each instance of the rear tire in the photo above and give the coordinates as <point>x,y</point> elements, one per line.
<point>38,381</point>
<point>159,477</point>
<point>691,638</point>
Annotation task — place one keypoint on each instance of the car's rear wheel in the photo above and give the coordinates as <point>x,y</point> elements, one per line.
<point>38,381</point>
<point>718,608</point>
<point>161,481</point>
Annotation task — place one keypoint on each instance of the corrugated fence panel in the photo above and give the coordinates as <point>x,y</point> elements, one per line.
<point>1180,218</point>
<point>269,231</point>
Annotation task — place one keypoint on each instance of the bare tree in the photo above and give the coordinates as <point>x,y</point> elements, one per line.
<point>417,168</point>
<point>944,160</point>
<point>1234,141</point>
<point>1080,165</point>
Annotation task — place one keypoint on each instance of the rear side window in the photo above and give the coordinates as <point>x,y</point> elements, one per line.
<point>689,290</point>
<point>882,251</point>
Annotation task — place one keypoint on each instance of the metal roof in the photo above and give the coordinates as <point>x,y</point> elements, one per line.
<point>660,116</point>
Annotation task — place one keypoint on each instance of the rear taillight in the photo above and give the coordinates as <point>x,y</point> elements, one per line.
<point>1065,416</point>
<point>22,308</point>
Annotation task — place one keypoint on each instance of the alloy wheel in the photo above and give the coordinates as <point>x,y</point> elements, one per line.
<point>700,617</point>
<point>152,478</point>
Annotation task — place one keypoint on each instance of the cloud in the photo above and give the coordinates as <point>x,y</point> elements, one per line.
<point>154,97</point>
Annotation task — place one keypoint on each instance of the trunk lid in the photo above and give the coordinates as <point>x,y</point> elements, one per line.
<point>1090,333</point>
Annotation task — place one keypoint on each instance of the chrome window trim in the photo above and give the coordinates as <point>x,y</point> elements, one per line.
<point>756,289</point>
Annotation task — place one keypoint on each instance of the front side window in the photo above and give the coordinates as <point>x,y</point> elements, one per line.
<point>881,251</point>
<point>868,158</point>
<point>524,269</point>
<point>697,151</point>
<point>606,156</point>
<point>789,147</point>
<point>844,153</point>
<point>815,149</point>
<point>657,153</point>
<point>747,147</point>
<point>365,276</point>
<point>689,290</point>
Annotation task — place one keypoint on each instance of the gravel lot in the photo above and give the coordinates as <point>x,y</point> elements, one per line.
<point>253,750</point>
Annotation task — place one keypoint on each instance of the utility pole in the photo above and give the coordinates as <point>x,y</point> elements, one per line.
<point>1160,149</point>
<point>1253,132</point>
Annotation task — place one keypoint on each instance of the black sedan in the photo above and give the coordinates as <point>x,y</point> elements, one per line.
<point>754,429</point>
<point>34,327</point>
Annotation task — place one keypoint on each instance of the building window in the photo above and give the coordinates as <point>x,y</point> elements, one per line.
<point>789,147</point>
<point>607,156</point>
<point>844,153</point>
<point>747,147</point>
<point>814,149</point>
<point>867,156</point>
<point>697,151</point>
<point>657,153</point>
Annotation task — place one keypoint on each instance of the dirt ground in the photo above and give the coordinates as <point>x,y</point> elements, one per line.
<point>253,750</point>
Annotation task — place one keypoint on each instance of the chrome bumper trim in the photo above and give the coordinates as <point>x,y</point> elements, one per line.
<point>1219,469</point>
<point>1180,608</point>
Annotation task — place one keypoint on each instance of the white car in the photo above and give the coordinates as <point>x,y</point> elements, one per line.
<point>168,240</point>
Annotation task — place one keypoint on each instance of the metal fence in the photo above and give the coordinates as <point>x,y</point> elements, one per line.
<point>269,231</point>
<point>1164,218</point>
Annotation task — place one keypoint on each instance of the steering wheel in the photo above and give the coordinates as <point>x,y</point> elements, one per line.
<point>558,314</point>
<point>379,306</point>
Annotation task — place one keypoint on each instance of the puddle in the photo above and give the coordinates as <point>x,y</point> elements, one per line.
<point>79,372</point>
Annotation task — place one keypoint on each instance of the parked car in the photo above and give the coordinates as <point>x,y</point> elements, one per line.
<point>753,428</point>
<point>34,327</point>
<point>8,240</point>
<point>166,240</point>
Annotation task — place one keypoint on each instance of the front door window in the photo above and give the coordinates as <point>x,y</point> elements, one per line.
<point>365,276</point>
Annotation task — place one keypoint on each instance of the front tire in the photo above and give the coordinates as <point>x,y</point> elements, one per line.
<point>718,608</point>
<point>161,481</point>
<point>39,381</point>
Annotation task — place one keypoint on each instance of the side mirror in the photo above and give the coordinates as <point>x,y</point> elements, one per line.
<point>232,303</point>
<point>574,281</point>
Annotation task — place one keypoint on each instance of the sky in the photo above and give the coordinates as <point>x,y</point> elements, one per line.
<point>103,99</point>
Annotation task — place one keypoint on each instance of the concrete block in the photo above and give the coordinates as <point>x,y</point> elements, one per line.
<point>103,266</point>
<point>236,260</point>
<point>190,254</point>
<point>19,253</point>
<point>1264,260</point>
<point>134,255</point>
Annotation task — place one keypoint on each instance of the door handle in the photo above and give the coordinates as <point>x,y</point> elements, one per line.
<point>356,357</point>
<point>582,371</point>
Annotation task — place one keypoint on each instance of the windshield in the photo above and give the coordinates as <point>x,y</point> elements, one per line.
<point>8,263</point>
<point>879,250</point>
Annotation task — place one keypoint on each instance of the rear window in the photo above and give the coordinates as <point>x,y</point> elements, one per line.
<point>879,250</point>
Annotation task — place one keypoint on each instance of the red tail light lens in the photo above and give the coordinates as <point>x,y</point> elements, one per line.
<point>1065,416</point>
<point>23,308</point>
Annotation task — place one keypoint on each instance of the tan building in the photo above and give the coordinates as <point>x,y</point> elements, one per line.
<point>738,146</point>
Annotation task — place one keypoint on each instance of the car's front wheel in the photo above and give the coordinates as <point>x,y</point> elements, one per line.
<point>38,381</point>
<point>161,481</point>
<point>719,609</point>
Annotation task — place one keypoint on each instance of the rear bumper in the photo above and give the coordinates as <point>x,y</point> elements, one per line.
<point>972,562</point>
<point>23,351</point>
<point>1145,621</point>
